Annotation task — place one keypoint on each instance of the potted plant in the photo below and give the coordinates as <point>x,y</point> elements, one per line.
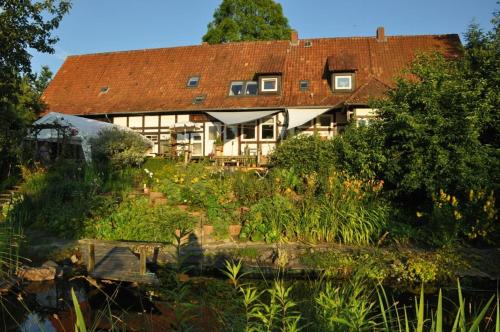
<point>219,146</point>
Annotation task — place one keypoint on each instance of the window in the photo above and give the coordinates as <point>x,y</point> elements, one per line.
<point>248,131</point>
<point>244,88</point>
<point>325,120</point>
<point>269,84</point>
<point>231,132</point>
<point>213,133</point>
<point>251,88</point>
<point>153,138</point>
<point>199,99</point>
<point>193,81</point>
<point>308,43</point>
<point>343,82</point>
<point>267,129</point>
<point>304,85</point>
<point>236,88</point>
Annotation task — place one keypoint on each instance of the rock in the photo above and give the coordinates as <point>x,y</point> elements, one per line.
<point>37,273</point>
<point>74,259</point>
<point>50,264</point>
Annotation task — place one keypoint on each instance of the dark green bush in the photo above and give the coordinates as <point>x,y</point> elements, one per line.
<point>304,155</point>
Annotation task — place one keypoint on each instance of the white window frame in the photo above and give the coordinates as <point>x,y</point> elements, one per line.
<point>196,79</point>
<point>263,123</point>
<point>337,77</point>
<point>269,79</point>
<point>254,129</point>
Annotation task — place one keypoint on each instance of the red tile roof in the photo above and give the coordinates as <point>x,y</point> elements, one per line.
<point>155,80</point>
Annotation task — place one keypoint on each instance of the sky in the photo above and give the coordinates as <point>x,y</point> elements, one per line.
<point>94,26</point>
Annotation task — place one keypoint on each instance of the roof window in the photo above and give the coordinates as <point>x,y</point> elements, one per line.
<point>251,88</point>
<point>304,85</point>
<point>236,88</point>
<point>193,81</point>
<point>308,43</point>
<point>244,88</point>
<point>199,99</point>
<point>104,89</point>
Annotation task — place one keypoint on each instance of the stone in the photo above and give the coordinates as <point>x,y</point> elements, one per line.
<point>50,264</point>
<point>234,230</point>
<point>37,273</point>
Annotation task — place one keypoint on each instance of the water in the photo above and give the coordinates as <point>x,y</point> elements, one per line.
<point>47,306</point>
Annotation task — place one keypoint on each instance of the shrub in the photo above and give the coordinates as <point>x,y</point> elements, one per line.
<point>118,149</point>
<point>136,220</point>
<point>304,154</point>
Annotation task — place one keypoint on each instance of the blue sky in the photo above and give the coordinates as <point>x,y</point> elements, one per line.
<point>113,25</point>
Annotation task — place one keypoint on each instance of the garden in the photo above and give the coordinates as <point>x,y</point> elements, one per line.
<point>393,226</point>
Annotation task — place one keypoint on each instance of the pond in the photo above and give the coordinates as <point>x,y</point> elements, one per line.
<point>212,302</point>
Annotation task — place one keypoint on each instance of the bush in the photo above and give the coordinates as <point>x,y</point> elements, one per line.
<point>119,149</point>
<point>304,154</point>
<point>137,220</point>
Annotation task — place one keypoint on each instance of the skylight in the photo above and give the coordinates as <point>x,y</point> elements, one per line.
<point>193,81</point>
<point>304,85</point>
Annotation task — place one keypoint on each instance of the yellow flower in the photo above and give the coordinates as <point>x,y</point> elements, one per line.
<point>457,215</point>
<point>471,195</point>
<point>454,201</point>
<point>419,214</point>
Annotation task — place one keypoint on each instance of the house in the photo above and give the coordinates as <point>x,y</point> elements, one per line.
<point>250,95</point>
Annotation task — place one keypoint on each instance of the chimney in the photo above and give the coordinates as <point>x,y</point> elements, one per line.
<point>204,43</point>
<point>381,34</point>
<point>294,37</point>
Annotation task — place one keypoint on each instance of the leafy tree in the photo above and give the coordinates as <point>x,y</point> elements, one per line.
<point>240,20</point>
<point>24,25</point>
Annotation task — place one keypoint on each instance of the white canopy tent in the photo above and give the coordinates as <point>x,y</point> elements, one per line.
<point>237,117</point>
<point>82,130</point>
<point>299,116</point>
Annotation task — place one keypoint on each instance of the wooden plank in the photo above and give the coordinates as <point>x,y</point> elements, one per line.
<point>117,263</point>
<point>91,260</point>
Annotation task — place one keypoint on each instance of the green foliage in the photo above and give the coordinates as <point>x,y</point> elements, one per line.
<point>347,210</point>
<point>346,308</point>
<point>25,25</point>
<point>304,155</point>
<point>117,149</point>
<point>239,20</point>
<point>137,220</point>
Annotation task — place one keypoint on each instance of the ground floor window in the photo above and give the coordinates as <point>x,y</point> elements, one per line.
<point>267,129</point>
<point>248,131</point>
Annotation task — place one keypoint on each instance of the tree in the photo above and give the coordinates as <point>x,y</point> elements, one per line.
<point>24,25</point>
<point>240,20</point>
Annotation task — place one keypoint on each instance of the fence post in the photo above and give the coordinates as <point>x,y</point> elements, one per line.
<point>142,262</point>
<point>91,261</point>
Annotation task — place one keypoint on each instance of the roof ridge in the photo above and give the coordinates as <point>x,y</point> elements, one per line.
<point>257,42</point>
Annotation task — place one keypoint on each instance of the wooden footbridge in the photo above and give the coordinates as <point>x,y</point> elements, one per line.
<point>105,260</point>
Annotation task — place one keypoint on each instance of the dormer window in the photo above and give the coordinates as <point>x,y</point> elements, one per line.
<point>269,84</point>
<point>193,81</point>
<point>343,82</point>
